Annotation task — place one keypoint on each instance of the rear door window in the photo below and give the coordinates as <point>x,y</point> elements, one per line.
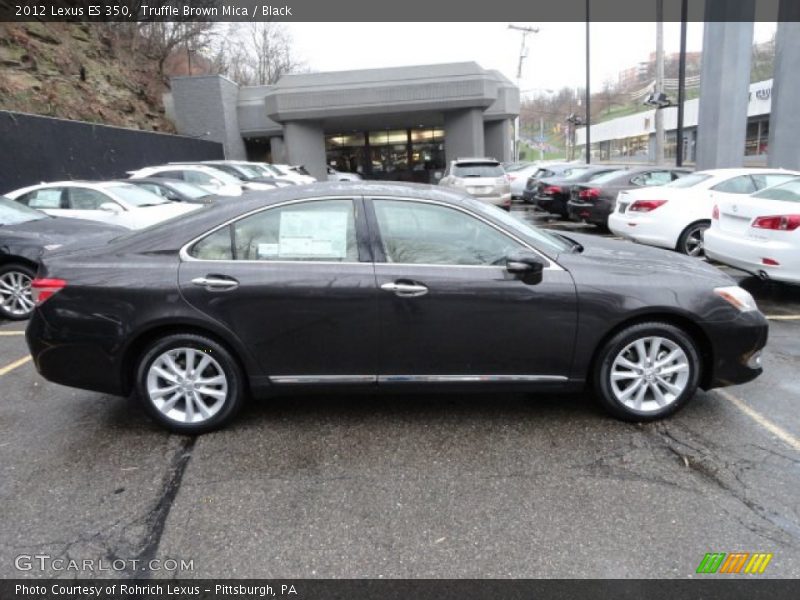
<point>743,184</point>
<point>43,198</point>
<point>86,199</point>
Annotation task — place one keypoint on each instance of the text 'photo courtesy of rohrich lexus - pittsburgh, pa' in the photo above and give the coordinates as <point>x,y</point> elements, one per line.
<point>349,286</point>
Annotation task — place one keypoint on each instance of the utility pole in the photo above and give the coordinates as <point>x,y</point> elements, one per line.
<point>523,54</point>
<point>541,137</point>
<point>659,86</point>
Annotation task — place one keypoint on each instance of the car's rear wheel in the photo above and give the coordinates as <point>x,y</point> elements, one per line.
<point>16,301</point>
<point>647,371</point>
<point>691,240</point>
<point>189,383</point>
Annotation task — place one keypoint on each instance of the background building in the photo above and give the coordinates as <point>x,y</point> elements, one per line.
<point>632,138</point>
<point>400,123</point>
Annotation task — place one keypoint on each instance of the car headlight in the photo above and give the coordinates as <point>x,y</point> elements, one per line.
<point>737,297</point>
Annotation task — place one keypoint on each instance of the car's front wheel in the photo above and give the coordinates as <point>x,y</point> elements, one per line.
<point>189,383</point>
<point>647,371</point>
<point>16,301</point>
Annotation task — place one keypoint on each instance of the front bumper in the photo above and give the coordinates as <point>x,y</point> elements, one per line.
<point>747,254</point>
<point>734,349</point>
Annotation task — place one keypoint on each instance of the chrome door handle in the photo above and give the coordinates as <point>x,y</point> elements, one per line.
<point>216,283</point>
<point>406,290</point>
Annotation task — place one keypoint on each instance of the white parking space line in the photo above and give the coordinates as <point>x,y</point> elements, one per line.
<point>14,365</point>
<point>783,317</point>
<point>10,333</point>
<point>763,421</point>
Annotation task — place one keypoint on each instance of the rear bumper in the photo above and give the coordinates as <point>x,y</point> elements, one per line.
<point>641,229</point>
<point>735,345</point>
<point>588,211</point>
<point>72,358</point>
<point>747,254</point>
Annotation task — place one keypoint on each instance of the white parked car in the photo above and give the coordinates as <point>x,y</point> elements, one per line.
<point>759,233</point>
<point>517,175</point>
<point>211,179</point>
<point>334,175</point>
<point>676,215</point>
<point>112,202</point>
<point>297,173</point>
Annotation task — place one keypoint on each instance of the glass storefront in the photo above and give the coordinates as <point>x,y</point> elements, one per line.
<point>391,154</point>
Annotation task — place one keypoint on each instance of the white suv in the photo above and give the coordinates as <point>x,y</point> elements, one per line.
<point>483,178</point>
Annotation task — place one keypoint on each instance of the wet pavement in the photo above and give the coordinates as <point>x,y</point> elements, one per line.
<point>408,486</point>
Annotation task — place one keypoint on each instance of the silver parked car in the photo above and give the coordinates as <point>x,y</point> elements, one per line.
<point>483,178</point>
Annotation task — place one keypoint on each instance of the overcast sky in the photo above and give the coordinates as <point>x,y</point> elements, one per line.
<point>555,54</point>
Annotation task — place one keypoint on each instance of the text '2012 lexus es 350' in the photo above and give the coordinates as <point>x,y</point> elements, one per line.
<point>359,286</point>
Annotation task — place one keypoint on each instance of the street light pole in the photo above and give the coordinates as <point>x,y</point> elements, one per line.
<point>659,86</point>
<point>681,85</point>
<point>588,123</point>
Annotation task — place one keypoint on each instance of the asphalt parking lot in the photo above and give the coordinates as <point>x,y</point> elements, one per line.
<point>408,486</point>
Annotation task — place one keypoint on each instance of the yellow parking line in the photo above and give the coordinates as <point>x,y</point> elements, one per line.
<point>14,365</point>
<point>4,333</point>
<point>783,317</point>
<point>763,421</point>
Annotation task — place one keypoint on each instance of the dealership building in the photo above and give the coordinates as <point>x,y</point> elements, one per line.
<point>400,123</point>
<point>632,138</point>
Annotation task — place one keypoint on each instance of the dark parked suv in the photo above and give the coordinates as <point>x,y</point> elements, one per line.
<point>595,200</point>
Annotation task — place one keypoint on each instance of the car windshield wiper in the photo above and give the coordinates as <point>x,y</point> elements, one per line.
<point>576,246</point>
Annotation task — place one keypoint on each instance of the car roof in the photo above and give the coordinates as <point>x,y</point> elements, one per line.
<point>163,235</point>
<point>476,159</point>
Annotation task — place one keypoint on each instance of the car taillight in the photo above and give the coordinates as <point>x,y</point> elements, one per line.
<point>590,194</point>
<point>511,178</point>
<point>645,205</point>
<point>42,289</point>
<point>552,189</point>
<point>715,212</point>
<point>778,222</point>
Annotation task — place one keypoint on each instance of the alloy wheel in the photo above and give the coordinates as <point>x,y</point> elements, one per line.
<point>649,374</point>
<point>187,385</point>
<point>15,293</point>
<point>694,244</point>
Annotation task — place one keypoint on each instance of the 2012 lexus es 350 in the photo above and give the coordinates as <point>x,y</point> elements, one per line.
<point>368,286</point>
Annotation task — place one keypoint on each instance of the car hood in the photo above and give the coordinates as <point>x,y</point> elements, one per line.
<point>618,257</point>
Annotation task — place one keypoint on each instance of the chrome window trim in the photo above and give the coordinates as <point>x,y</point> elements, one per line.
<point>320,379</point>
<point>552,265</point>
<point>186,257</point>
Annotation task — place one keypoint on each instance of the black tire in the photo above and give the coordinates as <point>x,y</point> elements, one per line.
<point>601,376</point>
<point>234,393</point>
<point>19,270</point>
<point>687,240</point>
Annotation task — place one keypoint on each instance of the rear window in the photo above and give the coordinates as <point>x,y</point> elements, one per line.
<point>135,196</point>
<point>542,173</point>
<point>574,173</point>
<point>478,169</point>
<point>606,177</point>
<point>788,192</point>
<point>688,181</point>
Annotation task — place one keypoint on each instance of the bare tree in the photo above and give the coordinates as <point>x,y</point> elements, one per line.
<point>256,53</point>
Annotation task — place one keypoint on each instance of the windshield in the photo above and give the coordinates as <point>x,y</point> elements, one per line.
<point>574,173</point>
<point>788,192</point>
<point>135,196</point>
<point>544,240</point>
<point>190,190</point>
<point>477,169</point>
<point>249,171</point>
<point>13,213</point>
<point>688,181</point>
<point>606,177</point>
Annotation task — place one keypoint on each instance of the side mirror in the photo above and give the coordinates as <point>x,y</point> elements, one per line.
<point>110,207</point>
<point>526,265</point>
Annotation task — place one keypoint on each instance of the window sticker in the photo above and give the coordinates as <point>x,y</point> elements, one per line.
<point>317,234</point>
